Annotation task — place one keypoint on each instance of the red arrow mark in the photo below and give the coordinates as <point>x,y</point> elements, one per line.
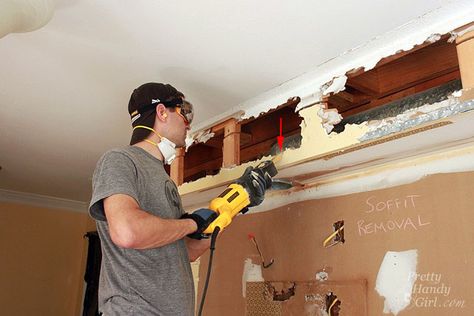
<point>280,138</point>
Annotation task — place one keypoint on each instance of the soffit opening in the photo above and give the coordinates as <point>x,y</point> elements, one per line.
<point>426,74</point>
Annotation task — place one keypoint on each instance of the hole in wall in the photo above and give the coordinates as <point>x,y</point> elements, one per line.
<point>427,74</point>
<point>265,129</point>
<point>258,138</point>
<point>280,294</point>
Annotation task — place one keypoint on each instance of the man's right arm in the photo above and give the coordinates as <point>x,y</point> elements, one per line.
<point>132,227</point>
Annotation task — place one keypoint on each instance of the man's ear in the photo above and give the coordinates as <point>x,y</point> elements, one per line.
<point>161,112</point>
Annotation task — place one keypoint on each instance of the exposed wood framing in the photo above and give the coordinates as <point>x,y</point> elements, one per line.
<point>257,136</point>
<point>177,167</point>
<point>426,66</point>
<point>465,50</point>
<point>231,148</point>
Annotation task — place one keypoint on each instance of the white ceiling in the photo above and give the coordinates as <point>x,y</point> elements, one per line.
<point>64,88</point>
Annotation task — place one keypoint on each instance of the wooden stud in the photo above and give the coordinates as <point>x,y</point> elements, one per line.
<point>231,149</point>
<point>465,50</point>
<point>177,167</point>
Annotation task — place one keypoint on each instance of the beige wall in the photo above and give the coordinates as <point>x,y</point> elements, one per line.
<point>42,264</point>
<point>433,216</point>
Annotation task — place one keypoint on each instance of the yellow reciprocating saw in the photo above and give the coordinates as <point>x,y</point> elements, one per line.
<point>247,191</point>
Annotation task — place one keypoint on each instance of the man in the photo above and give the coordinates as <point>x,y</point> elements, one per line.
<point>140,220</point>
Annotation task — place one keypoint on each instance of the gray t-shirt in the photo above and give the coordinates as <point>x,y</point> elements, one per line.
<point>140,282</point>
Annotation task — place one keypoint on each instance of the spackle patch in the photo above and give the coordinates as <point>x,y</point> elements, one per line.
<point>396,278</point>
<point>322,276</point>
<point>252,273</point>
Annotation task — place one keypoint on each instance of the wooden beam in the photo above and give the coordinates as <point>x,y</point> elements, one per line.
<point>231,148</point>
<point>247,154</point>
<point>177,167</point>
<point>214,143</point>
<point>404,93</point>
<point>367,83</point>
<point>465,53</point>
<point>209,165</point>
<point>423,65</point>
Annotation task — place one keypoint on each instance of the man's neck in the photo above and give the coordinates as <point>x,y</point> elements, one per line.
<point>150,148</point>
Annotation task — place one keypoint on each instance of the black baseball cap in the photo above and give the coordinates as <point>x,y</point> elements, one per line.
<point>143,102</point>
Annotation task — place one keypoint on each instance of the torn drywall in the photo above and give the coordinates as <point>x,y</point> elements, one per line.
<point>330,117</point>
<point>336,85</point>
<point>396,278</point>
<point>455,34</point>
<point>312,133</point>
<point>252,273</point>
<point>199,137</point>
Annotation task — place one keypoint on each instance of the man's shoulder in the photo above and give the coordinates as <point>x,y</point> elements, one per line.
<point>128,151</point>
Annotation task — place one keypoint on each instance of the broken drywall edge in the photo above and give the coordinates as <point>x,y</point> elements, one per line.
<point>315,142</point>
<point>188,141</point>
<point>202,136</point>
<point>395,279</point>
<point>330,117</point>
<point>440,21</point>
<point>337,84</point>
<point>416,117</point>
<point>380,177</point>
<point>456,34</point>
<point>215,120</point>
<point>252,273</point>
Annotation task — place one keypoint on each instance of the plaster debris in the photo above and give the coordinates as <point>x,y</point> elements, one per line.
<point>336,85</point>
<point>418,116</point>
<point>330,117</point>
<point>203,136</point>
<point>433,38</point>
<point>395,280</point>
<point>252,273</point>
<point>189,141</point>
<point>199,137</point>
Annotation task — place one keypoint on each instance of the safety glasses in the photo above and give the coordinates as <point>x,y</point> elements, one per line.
<point>185,110</point>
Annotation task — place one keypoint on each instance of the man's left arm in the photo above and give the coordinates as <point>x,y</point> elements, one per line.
<point>196,247</point>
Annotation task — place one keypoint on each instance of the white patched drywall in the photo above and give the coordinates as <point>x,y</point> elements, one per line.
<point>395,279</point>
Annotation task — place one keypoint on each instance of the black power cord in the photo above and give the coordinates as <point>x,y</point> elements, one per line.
<point>206,284</point>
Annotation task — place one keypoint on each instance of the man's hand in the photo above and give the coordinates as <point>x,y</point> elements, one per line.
<point>203,218</point>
